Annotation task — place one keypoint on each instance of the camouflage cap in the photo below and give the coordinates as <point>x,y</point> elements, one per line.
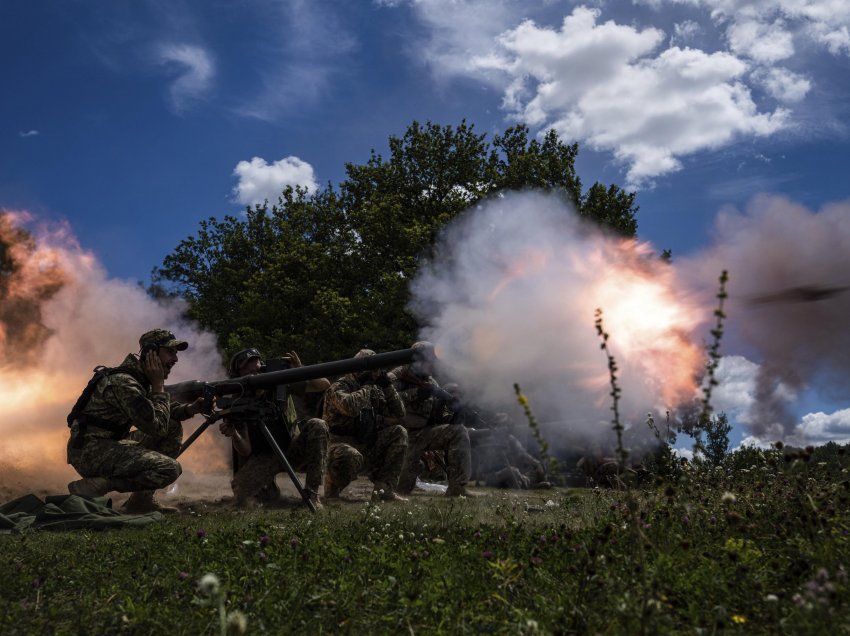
<point>241,357</point>
<point>363,353</point>
<point>425,352</point>
<point>162,338</point>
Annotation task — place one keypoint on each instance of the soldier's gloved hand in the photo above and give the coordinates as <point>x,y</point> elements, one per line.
<point>383,380</point>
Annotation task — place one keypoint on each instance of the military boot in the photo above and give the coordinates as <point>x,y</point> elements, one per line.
<point>142,502</point>
<point>459,490</point>
<point>385,493</point>
<point>90,487</point>
<point>332,490</point>
<point>314,498</point>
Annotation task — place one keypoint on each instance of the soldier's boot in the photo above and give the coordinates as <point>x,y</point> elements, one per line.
<point>90,487</point>
<point>332,489</point>
<point>314,498</point>
<point>143,501</point>
<point>385,493</point>
<point>459,490</point>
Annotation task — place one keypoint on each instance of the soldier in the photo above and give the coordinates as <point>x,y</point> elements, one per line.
<point>425,420</point>
<point>501,461</point>
<point>358,409</point>
<point>304,440</point>
<point>102,448</point>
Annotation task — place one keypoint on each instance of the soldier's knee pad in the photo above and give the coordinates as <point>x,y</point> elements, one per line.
<point>398,434</point>
<point>172,471</point>
<point>316,426</point>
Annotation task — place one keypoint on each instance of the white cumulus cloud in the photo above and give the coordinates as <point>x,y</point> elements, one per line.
<point>820,428</point>
<point>727,71</point>
<point>784,85</point>
<point>260,181</point>
<point>605,84</point>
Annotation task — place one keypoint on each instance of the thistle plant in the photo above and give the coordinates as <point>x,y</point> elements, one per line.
<point>553,467</point>
<point>622,453</point>
<point>714,349</point>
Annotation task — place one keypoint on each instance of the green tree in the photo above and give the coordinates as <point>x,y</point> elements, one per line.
<point>716,447</point>
<point>328,273</point>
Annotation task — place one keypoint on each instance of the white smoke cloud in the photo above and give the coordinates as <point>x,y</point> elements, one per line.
<point>260,181</point>
<point>511,296</point>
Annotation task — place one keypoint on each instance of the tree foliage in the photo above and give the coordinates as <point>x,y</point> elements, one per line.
<point>328,273</point>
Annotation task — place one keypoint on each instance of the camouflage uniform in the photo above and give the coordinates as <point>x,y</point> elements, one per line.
<point>501,461</point>
<point>426,432</point>
<point>303,441</point>
<point>142,459</point>
<point>345,402</point>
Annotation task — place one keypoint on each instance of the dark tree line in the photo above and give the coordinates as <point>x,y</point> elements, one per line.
<point>327,273</point>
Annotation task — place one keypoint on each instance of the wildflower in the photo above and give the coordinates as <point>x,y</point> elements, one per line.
<point>728,498</point>
<point>183,575</point>
<point>209,584</point>
<point>201,533</point>
<point>771,598</point>
<point>293,542</point>
<point>264,539</point>
<point>487,554</point>
<point>738,619</point>
<point>476,534</point>
<point>237,623</point>
<point>522,399</point>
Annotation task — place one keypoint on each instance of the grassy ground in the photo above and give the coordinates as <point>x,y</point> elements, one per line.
<point>757,546</point>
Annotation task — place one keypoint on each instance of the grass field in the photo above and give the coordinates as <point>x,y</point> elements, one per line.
<point>759,545</point>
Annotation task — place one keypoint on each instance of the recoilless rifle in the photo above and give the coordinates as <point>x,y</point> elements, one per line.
<point>244,387</point>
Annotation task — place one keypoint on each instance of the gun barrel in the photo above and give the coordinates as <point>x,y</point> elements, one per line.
<point>187,391</point>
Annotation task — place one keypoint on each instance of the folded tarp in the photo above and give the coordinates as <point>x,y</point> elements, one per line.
<point>67,512</point>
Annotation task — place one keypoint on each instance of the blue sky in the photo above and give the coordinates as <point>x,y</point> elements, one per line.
<point>134,120</point>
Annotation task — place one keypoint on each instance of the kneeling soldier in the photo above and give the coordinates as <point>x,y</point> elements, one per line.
<point>103,449</point>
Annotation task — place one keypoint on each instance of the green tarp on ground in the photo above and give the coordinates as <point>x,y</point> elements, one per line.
<point>67,512</point>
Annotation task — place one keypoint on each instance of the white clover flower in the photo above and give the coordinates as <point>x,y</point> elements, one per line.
<point>209,584</point>
<point>237,623</point>
<point>728,497</point>
<point>771,598</point>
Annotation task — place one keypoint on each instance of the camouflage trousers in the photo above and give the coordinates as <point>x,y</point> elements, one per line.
<point>308,451</point>
<point>137,462</point>
<point>451,439</point>
<point>382,462</point>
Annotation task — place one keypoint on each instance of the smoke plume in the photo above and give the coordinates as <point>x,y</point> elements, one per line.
<point>789,301</point>
<point>60,316</point>
<point>511,295</point>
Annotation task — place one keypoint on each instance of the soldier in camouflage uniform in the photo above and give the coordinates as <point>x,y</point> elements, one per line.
<point>304,440</point>
<point>425,421</point>
<point>102,448</point>
<point>359,409</point>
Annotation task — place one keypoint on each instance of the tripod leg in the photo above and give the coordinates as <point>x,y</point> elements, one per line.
<point>198,432</point>
<point>305,494</point>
